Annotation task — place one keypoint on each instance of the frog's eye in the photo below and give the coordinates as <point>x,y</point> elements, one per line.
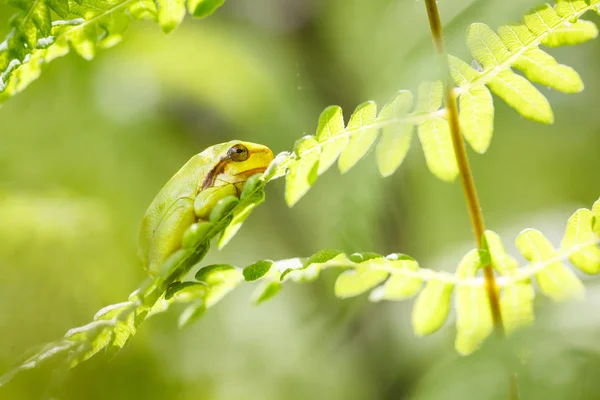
<point>238,153</point>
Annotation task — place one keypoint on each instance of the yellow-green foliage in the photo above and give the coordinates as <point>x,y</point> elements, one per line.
<point>43,30</point>
<point>514,46</point>
<point>38,36</point>
<point>392,277</point>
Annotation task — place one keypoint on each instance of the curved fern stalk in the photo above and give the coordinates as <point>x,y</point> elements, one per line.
<point>313,155</point>
<point>399,277</point>
<point>394,277</point>
<point>517,46</point>
<point>47,29</point>
<point>113,326</point>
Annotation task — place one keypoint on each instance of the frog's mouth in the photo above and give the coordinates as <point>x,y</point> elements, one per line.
<point>248,173</point>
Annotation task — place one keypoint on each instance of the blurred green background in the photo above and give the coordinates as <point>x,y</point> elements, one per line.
<point>85,148</point>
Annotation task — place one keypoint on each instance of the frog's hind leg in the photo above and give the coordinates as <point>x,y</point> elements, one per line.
<point>169,233</point>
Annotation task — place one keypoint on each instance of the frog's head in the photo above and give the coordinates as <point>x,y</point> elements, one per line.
<point>239,162</point>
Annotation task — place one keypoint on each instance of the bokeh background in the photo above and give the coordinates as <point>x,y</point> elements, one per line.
<point>85,148</point>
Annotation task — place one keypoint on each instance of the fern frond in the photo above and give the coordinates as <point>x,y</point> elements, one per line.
<point>392,277</point>
<point>517,46</point>
<point>113,326</point>
<point>313,155</point>
<point>43,30</point>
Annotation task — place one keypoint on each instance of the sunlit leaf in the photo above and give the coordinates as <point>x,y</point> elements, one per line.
<point>396,133</point>
<point>266,291</point>
<point>204,8</point>
<point>473,313</point>
<point>357,281</point>
<point>257,270</point>
<point>555,280</point>
<point>538,65</point>
<point>403,283</point>
<point>521,95</point>
<point>303,170</point>
<point>170,13</point>
<point>431,307</point>
<point>363,136</point>
<point>331,135</point>
<point>516,305</point>
<point>579,233</point>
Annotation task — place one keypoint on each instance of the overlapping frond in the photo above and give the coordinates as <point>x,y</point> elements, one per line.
<point>43,30</point>
<point>514,46</point>
<point>393,126</point>
<point>518,46</point>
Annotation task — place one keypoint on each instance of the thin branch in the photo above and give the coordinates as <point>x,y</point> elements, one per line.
<point>468,184</point>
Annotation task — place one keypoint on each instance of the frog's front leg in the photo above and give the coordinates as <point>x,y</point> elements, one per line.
<point>168,235</point>
<point>208,198</point>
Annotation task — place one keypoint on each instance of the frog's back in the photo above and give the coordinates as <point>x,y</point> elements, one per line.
<point>185,184</point>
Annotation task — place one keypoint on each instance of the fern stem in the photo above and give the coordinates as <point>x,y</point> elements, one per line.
<point>466,176</point>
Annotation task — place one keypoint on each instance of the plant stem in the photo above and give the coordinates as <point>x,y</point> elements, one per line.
<point>466,177</point>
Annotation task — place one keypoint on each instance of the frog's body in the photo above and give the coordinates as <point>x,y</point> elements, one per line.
<point>191,194</point>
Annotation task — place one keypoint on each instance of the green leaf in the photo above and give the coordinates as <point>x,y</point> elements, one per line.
<point>299,268</point>
<point>434,135</point>
<point>537,65</point>
<point>203,8</point>
<point>266,291</point>
<point>521,95</point>
<point>554,279</point>
<point>241,212</point>
<point>191,314</point>
<point>567,8</point>
<point>216,274</point>
<point>121,334</point>
<point>396,133</point>
<point>363,134</point>
<point>93,337</point>
<point>176,287</point>
<point>542,20</point>
<point>303,170</point>
<point>477,117</point>
<point>277,168</point>
<point>332,136</point>
<point>170,14</point>
<point>257,270</point>
<point>596,212</point>
<point>486,46</point>
<point>221,279</point>
<point>473,315</point>
<point>403,283</point>
<point>461,72</point>
<point>516,304</point>
<point>323,256</point>
<point>579,233</point>
<point>357,281</point>
<point>60,7</point>
<point>571,33</point>
<point>33,23</point>
<point>431,307</point>
<point>37,39</point>
<point>500,260</point>
<point>430,97</point>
